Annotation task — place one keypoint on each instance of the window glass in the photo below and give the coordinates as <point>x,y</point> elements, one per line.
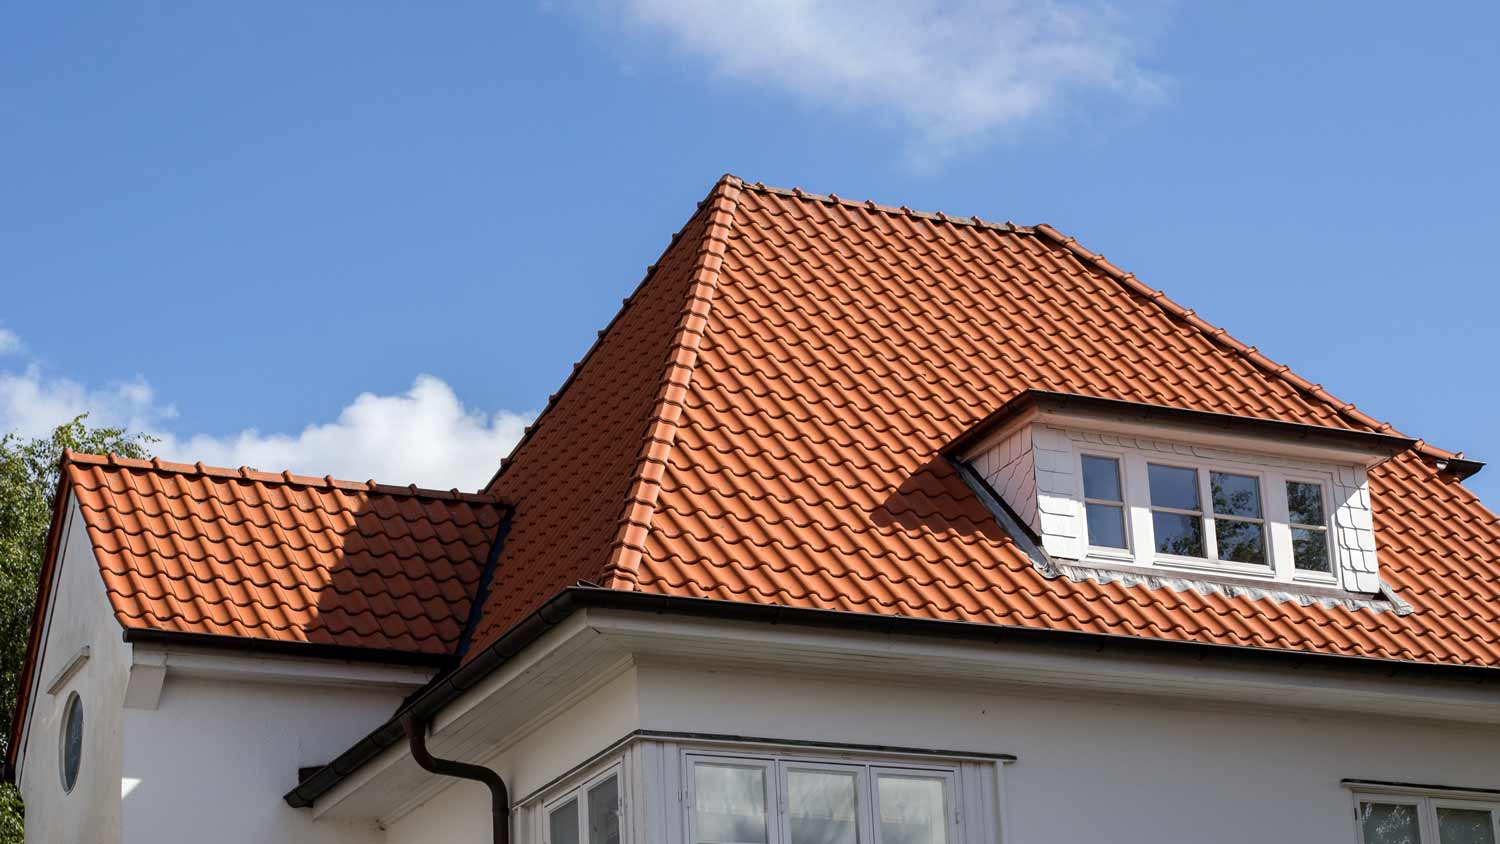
<point>1304,504</point>
<point>1388,823</point>
<point>1101,478</point>
<point>1178,534</point>
<point>604,812</point>
<point>1235,495</point>
<point>1465,826</point>
<point>1106,525</point>
<point>562,824</point>
<point>912,810</point>
<point>730,804</point>
<point>72,742</point>
<point>1104,504</point>
<point>1239,525</point>
<point>1174,487</point>
<point>821,807</point>
<point>1310,550</point>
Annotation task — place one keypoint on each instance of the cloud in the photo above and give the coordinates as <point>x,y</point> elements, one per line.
<point>954,73</point>
<point>424,436</point>
<point>10,342</point>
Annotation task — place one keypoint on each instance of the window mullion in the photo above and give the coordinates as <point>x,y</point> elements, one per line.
<point>1206,501</point>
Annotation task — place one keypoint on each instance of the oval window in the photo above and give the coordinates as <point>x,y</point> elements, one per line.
<point>72,741</point>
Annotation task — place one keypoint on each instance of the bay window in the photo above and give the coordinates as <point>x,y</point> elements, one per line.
<point>788,800</point>
<point>1415,818</point>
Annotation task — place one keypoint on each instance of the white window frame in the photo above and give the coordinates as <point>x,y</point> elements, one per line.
<point>1140,531</point>
<point>579,791</point>
<point>1126,554</point>
<point>1427,803</point>
<point>777,764</point>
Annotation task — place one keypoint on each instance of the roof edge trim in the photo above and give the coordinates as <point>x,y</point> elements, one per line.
<point>1044,400</point>
<point>1250,353</point>
<point>274,647</point>
<point>442,692</point>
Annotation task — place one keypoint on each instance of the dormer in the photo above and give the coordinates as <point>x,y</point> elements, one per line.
<point>1163,491</point>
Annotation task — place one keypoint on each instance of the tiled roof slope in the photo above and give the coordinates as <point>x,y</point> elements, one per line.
<point>285,558</point>
<point>792,453</point>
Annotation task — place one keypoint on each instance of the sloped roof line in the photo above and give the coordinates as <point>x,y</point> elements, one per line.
<point>1130,282</point>
<point>661,432</point>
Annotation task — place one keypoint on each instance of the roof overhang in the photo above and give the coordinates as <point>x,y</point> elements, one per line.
<point>1367,448</point>
<point>574,614</point>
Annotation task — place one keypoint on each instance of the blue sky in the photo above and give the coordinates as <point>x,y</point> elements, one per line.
<point>251,228</point>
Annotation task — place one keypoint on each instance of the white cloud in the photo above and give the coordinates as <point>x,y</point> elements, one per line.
<point>954,72</point>
<point>424,436</point>
<point>10,342</point>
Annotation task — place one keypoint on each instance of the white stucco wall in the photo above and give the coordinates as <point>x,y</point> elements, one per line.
<point>79,617</point>
<point>1090,769</point>
<point>214,759</point>
<point>544,751</point>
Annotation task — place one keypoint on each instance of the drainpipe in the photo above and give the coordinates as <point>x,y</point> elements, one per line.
<point>416,738</point>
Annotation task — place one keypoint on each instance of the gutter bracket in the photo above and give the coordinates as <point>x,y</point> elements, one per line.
<point>416,738</point>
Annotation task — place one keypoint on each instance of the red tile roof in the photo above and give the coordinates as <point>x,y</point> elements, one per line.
<point>283,558</point>
<point>764,422</point>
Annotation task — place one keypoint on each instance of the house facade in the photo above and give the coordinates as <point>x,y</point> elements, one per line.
<point>857,525</point>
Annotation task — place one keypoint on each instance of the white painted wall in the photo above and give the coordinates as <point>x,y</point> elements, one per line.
<point>79,616</point>
<point>213,761</point>
<point>1121,770</point>
<point>531,759</point>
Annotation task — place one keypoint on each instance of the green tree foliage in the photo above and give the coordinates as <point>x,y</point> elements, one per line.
<point>28,482</point>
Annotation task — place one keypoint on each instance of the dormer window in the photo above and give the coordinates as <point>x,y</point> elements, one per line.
<point>1168,491</point>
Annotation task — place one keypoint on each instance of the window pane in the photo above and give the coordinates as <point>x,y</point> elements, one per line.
<point>72,741</point>
<point>563,823</point>
<point>1388,823</point>
<point>821,807</point>
<point>1241,542</point>
<point>1305,503</point>
<point>913,810</point>
<point>1310,549</point>
<point>1178,534</point>
<point>1101,478</point>
<point>1465,826</point>
<point>604,813</point>
<point>1235,495</point>
<point>730,804</point>
<point>1106,525</point>
<point>1173,487</point>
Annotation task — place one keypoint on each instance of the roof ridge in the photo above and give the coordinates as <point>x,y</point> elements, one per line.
<point>1222,337</point>
<point>285,478</point>
<point>552,400</point>
<point>893,211</point>
<point>661,432</point>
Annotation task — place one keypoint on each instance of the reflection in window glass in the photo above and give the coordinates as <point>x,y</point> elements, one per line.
<point>1176,489</point>
<point>1465,826</point>
<point>1178,534</point>
<point>730,804</point>
<point>562,824</point>
<point>821,807</point>
<point>604,813</point>
<point>1388,823</point>
<point>1304,504</point>
<point>1239,525</point>
<point>913,810</point>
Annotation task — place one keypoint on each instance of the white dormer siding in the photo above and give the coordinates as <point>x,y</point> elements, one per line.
<point>1036,466</point>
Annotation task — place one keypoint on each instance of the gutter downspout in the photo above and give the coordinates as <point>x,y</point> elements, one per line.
<point>416,737</point>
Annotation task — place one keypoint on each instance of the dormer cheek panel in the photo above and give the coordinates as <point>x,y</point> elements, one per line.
<point>1172,505</point>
